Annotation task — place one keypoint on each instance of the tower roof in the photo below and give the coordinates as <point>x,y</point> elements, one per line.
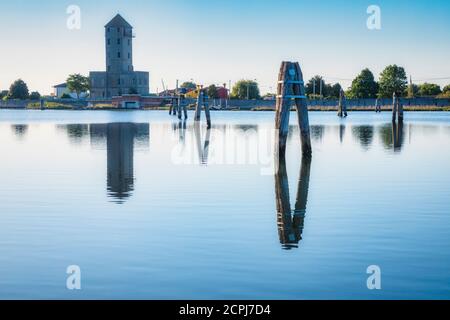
<point>118,21</point>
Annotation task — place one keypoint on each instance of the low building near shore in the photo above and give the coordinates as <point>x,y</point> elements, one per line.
<point>62,89</point>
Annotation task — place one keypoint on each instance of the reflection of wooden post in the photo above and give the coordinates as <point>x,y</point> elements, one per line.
<point>182,130</point>
<point>291,86</point>
<point>342,109</point>
<point>290,227</point>
<point>341,132</point>
<point>203,151</point>
<point>397,135</point>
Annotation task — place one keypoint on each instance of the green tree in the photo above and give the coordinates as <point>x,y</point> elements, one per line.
<point>78,84</point>
<point>35,95</point>
<point>392,79</point>
<point>3,94</point>
<point>244,89</point>
<point>18,90</point>
<point>364,86</point>
<point>189,85</point>
<point>313,87</point>
<point>445,92</point>
<point>66,96</point>
<point>211,91</point>
<point>429,89</point>
<point>334,91</point>
<point>413,90</point>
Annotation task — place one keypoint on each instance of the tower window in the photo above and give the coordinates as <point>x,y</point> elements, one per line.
<point>118,54</point>
<point>109,68</point>
<point>129,42</point>
<point>109,29</point>
<point>129,55</point>
<point>109,42</point>
<point>118,41</point>
<point>118,81</point>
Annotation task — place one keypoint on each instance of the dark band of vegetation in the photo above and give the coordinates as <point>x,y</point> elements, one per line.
<point>364,86</point>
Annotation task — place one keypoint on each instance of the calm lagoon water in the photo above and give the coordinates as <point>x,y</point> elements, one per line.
<point>153,209</point>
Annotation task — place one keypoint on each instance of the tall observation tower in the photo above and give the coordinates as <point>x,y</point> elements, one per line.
<point>120,77</point>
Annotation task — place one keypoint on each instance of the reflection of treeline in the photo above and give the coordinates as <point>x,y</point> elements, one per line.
<point>98,133</point>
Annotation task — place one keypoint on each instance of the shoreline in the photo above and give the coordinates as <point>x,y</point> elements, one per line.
<point>253,109</point>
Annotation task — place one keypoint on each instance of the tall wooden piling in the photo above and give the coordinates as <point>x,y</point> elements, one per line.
<point>291,87</point>
<point>42,104</point>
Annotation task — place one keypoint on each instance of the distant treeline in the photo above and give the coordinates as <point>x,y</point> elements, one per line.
<point>392,79</point>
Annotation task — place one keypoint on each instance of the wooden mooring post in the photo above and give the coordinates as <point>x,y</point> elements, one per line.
<point>342,108</point>
<point>377,106</point>
<point>397,109</point>
<point>182,107</point>
<point>173,106</point>
<point>42,104</point>
<point>291,88</point>
<point>202,101</point>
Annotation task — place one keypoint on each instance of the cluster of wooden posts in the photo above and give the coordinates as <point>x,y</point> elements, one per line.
<point>179,106</point>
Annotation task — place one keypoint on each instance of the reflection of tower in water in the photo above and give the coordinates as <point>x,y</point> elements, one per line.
<point>291,223</point>
<point>121,140</point>
<point>120,159</point>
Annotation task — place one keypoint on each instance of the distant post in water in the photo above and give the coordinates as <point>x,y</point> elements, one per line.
<point>400,110</point>
<point>342,108</point>
<point>198,106</point>
<point>291,87</point>
<point>377,106</point>
<point>182,106</point>
<point>42,104</point>
<point>202,102</point>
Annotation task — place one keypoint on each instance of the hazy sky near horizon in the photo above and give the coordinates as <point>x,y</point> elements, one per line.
<point>218,41</point>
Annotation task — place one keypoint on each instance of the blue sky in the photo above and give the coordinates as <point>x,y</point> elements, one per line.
<point>220,41</point>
